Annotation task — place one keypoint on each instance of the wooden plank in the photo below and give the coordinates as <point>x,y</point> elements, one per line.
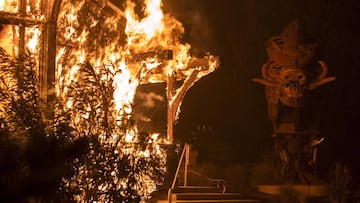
<point>17,19</point>
<point>161,55</point>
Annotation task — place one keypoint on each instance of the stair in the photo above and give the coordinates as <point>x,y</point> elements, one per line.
<point>190,186</point>
<point>195,194</point>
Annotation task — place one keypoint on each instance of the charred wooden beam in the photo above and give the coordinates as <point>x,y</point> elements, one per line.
<point>115,8</point>
<point>202,63</point>
<point>162,55</point>
<point>199,68</point>
<point>12,18</point>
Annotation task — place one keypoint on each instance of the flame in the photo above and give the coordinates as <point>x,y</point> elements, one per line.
<point>11,39</point>
<point>8,40</point>
<point>33,7</point>
<point>75,39</point>
<point>125,87</point>
<point>110,44</point>
<point>156,31</point>
<point>140,32</point>
<point>10,33</point>
<point>32,38</point>
<point>121,41</point>
<point>9,5</point>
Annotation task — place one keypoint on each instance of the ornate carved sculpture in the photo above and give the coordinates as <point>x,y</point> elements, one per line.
<point>290,73</point>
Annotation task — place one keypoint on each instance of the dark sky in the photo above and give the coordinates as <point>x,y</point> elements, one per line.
<point>234,107</point>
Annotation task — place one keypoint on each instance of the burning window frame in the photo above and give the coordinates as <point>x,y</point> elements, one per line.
<point>25,30</point>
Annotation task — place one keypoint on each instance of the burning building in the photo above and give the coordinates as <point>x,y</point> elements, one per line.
<point>144,49</point>
<point>86,49</point>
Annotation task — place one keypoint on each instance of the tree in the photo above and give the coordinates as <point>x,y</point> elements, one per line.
<point>121,165</point>
<point>33,153</point>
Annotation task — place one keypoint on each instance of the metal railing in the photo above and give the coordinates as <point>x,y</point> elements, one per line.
<point>185,157</point>
<point>219,182</point>
<point>184,154</point>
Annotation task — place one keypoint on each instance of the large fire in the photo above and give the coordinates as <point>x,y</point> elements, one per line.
<point>134,46</point>
<point>116,50</point>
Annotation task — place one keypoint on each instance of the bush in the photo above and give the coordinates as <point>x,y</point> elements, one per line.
<point>74,157</point>
<point>33,154</point>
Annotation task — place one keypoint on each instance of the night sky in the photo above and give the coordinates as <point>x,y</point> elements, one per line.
<point>230,107</point>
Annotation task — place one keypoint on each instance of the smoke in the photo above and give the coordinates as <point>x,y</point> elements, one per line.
<point>196,19</point>
<point>148,100</point>
<point>141,117</point>
<point>150,110</point>
<point>200,33</point>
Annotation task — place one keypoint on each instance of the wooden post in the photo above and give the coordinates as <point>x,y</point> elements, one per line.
<point>187,157</point>
<point>170,107</point>
<point>175,97</point>
<point>22,29</point>
<point>48,55</point>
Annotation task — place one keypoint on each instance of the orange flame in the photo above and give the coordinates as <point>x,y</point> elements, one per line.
<point>9,5</point>
<point>155,31</point>
<point>32,33</point>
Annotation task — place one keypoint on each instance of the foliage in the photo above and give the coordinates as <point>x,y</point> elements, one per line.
<point>91,96</point>
<point>120,165</point>
<point>339,182</point>
<point>32,156</point>
<point>87,157</point>
<point>19,97</point>
<point>88,17</point>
